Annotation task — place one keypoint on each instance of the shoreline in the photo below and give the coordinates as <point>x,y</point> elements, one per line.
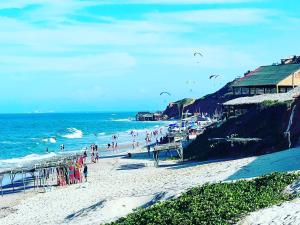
<point>118,185</point>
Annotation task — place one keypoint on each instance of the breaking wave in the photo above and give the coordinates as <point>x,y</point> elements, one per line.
<point>50,140</point>
<point>25,160</point>
<point>74,133</point>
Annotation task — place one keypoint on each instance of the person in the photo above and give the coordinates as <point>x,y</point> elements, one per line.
<point>108,146</point>
<point>93,158</point>
<point>97,156</point>
<point>96,148</point>
<point>116,141</point>
<point>85,172</point>
<point>148,148</point>
<point>47,150</point>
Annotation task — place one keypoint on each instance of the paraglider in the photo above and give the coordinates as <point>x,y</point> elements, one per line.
<point>198,53</point>
<point>213,76</point>
<point>165,92</point>
<point>165,96</point>
<point>191,84</point>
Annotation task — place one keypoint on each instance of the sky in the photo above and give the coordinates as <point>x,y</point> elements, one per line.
<point>119,55</point>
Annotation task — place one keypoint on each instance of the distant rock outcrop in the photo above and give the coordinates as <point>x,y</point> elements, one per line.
<point>208,104</point>
<point>175,109</point>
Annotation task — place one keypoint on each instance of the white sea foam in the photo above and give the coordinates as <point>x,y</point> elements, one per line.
<point>50,140</point>
<point>122,120</point>
<point>9,142</point>
<point>102,134</point>
<point>74,133</point>
<point>25,160</point>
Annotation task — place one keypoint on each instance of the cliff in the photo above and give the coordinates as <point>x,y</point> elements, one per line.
<point>272,124</point>
<point>207,104</point>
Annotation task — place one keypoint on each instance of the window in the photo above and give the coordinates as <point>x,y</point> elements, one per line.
<point>268,90</point>
<point>259,91</point>
<point>282,90</point>
<point>245,91</point>
<point>237,91</point>
<point>252,91</point>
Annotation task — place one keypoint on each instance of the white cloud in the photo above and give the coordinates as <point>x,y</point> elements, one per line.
<point>76,3</point>
<point>85,65</point>
<point>220,16</point>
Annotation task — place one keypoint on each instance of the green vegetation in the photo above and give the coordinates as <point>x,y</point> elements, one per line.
<point>172,158</point>
<point>185,102</point>
<point>220,203</point>
<point>268,103</point>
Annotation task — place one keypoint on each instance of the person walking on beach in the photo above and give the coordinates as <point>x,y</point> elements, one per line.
<point>148,148</point>
<point>85,172</point>
<point>97,157</point>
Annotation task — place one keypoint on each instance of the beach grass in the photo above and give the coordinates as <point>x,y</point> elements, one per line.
<point>218,203</point>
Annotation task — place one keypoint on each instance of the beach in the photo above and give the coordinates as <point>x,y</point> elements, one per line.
<point>118,185</point>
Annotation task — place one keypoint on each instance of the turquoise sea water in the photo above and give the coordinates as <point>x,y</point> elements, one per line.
<point>26,135</point>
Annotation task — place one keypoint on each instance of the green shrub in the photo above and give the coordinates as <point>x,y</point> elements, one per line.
<point>220,203</point>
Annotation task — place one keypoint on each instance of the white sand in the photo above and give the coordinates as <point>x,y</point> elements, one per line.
<point>287,213</point>
<point>117,186</point>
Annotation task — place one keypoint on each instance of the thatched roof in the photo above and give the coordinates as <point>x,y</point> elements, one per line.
<point>281,97</point>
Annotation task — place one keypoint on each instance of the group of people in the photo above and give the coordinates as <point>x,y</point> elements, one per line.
<point>135,143</point>
<point>114,142</point>
<point>94,153</point>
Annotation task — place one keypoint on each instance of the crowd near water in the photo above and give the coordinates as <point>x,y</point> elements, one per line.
<point>32,136</point>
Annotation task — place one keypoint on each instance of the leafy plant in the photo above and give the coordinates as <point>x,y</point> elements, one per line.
<point>219,203</point>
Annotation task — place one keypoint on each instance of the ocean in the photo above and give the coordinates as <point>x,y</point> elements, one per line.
<point>27,136</point>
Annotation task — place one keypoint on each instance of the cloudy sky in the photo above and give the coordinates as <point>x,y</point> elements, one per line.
<point>118,55</point>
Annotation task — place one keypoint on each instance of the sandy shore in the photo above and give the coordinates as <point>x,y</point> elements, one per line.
<point>118,185</point>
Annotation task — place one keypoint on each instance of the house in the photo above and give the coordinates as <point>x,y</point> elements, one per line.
<point>148,116</point>
<point>270,79</point>
<point>241,105</point>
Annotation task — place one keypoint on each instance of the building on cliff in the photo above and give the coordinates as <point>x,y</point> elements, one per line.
<point>241,105</point>
<point>270,79</point>
<point>148,116</point>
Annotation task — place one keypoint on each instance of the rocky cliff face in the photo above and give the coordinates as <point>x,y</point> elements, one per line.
<point>175,109</point>
<point>270,124</point>
<point>207,104</point>
<point>295,123</point>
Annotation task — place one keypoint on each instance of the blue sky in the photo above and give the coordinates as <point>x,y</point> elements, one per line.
<point>118,55</point>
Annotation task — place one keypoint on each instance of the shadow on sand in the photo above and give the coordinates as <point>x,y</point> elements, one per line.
<point>132,166</point>
<point>84,211</point>
<point>284,161</point>
<point>17,187</point>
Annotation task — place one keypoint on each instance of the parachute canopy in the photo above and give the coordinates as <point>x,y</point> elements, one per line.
<point>165,93</point>
<point>198,53</point>
<point>213,76</point>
